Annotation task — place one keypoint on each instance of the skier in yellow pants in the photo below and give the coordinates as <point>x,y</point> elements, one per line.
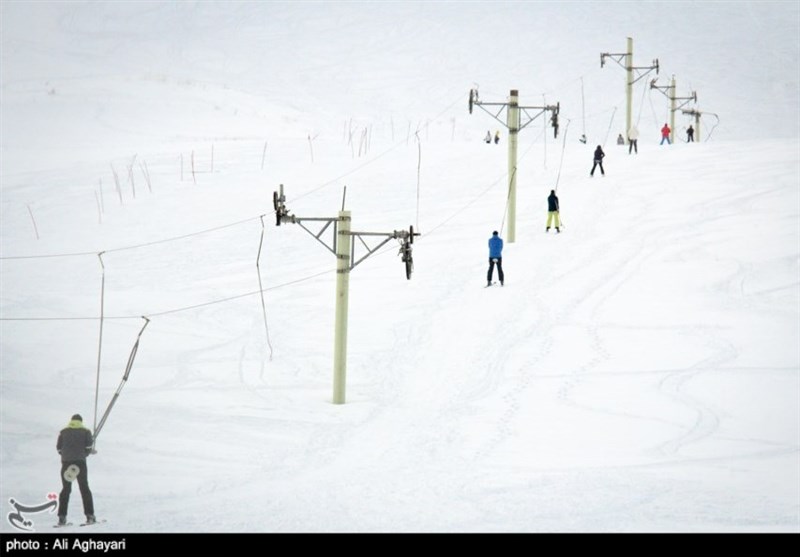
<point>552,212</point>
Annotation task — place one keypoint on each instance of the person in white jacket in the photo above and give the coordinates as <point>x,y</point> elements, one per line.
<point>633,140</point>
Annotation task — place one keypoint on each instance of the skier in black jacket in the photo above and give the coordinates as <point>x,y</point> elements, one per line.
<point>74,445</point>
<point>598,160</point>
<point>552,212</point>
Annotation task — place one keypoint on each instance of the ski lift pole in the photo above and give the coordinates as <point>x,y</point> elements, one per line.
<point>629,85</point>
<point>630,79</point>
<point>673,106</point>
<point>513,137</point>
<point>514,124</point>
<point>672,111</point>
<point>697,124</point>
<point>343,247</point>
<point>696,114</point>
<point>343,257</point>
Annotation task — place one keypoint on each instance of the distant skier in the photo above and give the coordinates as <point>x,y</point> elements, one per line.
<point>690,134</point>
<point>633,140</point>
<point>620,140</point>
<point>74,445</point>
<point>495,258</point>
<point>583,138</point>
<point>552,212</point>
<point>598,161</point>
<point>665,131</point>
<point>497,137</point>
<point>488,138</point>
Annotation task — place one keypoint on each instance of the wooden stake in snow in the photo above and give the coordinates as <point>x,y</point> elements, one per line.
<point>130,176</point>
<point>116,185</point>
<point>350,141</point>
<point>99,212</point>
<point>146,174</point>
<point>361,142</point>
<point>33,220</point>
<point>102,200</point>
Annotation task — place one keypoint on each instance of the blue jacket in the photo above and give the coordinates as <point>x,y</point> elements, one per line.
<point>495,247</point>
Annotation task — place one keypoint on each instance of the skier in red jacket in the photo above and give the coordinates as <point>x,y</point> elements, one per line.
<point>665,131</point>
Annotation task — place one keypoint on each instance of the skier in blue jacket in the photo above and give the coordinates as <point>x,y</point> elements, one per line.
<point>495,258</point>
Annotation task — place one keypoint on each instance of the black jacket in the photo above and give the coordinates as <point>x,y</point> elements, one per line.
<point>74,443</point>
<point>552,202</point>
<point>599,154</point>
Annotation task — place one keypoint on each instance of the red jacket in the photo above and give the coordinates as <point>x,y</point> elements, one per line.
<point>665,131</point>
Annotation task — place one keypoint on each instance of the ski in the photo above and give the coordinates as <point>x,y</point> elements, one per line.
<point>101,521</point>
<point>62,525</point>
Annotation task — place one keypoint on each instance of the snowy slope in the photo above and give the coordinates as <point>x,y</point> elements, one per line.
<point>638,372</point>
